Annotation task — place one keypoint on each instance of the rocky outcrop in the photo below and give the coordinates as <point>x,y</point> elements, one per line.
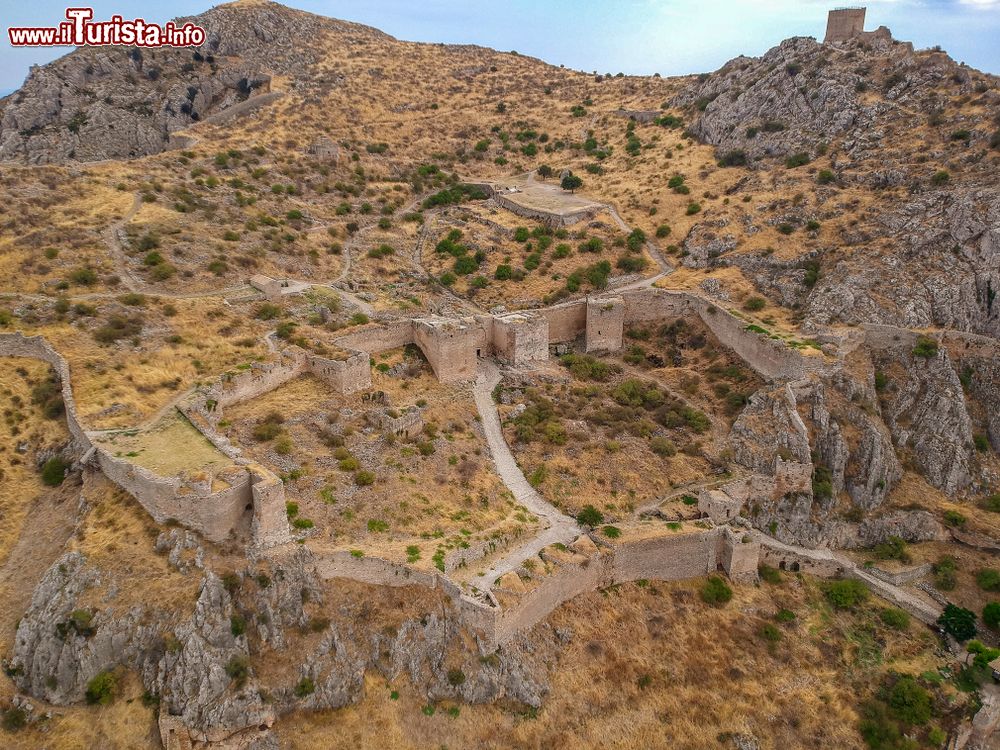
<point>202,665</point>
<point>851,441</point>
<point>768,428</point>
<point>947,275</point>
<point>116,103</point>
<point>120,102</point>
<point>924,408</point>
<point>784,102</point>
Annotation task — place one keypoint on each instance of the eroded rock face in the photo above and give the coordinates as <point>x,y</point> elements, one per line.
<point>853,443</point>
<point>115,103</point>
<point>925,410</point>
<point>765,94</point>
<point>947,275</point>
<point>120,102</point>
<point>202,666</point>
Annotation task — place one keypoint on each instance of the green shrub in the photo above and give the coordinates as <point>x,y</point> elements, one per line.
<point>954,518</point>
<point>456,677</point>
<point>940,178</point>
<point>892,548</point>
<point>988,579</point>
<point>302,523</point>
<point>825,177</point>
<point>991,615</point>
<point>769,574</point>
<point>101,688</point>
<point>715,591</point>
<point>734,158</point>
<point>662,446</point>
<point>754,304</point>
<point>770,633</point>
<point>894,618</point>
<point>237,625</point>
<point>925,347</point>
<point>611,532</point>
<point>797,160</point>
<point>784,615</point>
<point>364,478</point>
<point>54,471</point>
<point>846,593</point>
<point>305,687</point>
<point>14,719</point>
<point>992,503</point>
<point>944,573</point>
<point>589,516</point>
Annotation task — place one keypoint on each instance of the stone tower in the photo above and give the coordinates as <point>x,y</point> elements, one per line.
<point>843,24</point>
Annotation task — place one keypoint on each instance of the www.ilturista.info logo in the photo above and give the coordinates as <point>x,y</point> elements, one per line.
<point>80,31</point>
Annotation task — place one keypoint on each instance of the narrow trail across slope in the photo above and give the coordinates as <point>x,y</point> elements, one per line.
<point>560,527</point>
<point>116,246</point>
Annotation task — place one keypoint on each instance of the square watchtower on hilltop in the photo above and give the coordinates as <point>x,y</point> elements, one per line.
<point>843,24</point>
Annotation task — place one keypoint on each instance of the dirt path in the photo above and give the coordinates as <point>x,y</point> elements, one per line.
<point>559,527</point>
<point>115,240</point>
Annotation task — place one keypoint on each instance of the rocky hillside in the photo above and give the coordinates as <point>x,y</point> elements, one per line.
<point>910,139</point>
<point>121,103</point>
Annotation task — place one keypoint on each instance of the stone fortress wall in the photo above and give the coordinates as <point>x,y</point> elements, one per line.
<point>583,566</point>
<point>452,348</point>
<point>36,347</point>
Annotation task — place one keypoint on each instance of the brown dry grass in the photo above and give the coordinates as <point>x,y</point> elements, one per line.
<point>652,666</point>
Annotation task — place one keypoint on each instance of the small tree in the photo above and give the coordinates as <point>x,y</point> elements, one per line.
<point>545,171</point>
<point>101,689</point>
<point>958,622</point>
<point>571,182</point>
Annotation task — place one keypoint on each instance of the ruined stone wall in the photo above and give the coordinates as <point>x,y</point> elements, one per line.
<point>568,581</point>
<point>270,517</point>
<point>792,560</point>
<point>843,24</point>
<point>378,338</point>
<point>566,322</point>
<point>666,558</point>
<point>373,570</point>
<point>409,422</point>
<point>549,218</point>
<point>605,323</point>
<point>36,347</point>
<point>770,358</point>
<point>462,557</point>
<point>212,514</point>
<point>343,375</point>
<point>739,555</point>
<point>520,338</point>
<point>260,378</point>
<point>450,348</point>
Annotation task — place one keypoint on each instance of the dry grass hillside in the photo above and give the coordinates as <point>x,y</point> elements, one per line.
<point>353,178</point>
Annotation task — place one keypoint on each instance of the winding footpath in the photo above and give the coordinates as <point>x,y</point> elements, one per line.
<point>559,526</point>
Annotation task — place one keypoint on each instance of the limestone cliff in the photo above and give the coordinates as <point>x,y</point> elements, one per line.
<point>203,668</point>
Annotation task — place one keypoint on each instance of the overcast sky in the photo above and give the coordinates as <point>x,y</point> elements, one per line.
<point>631,36</point>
